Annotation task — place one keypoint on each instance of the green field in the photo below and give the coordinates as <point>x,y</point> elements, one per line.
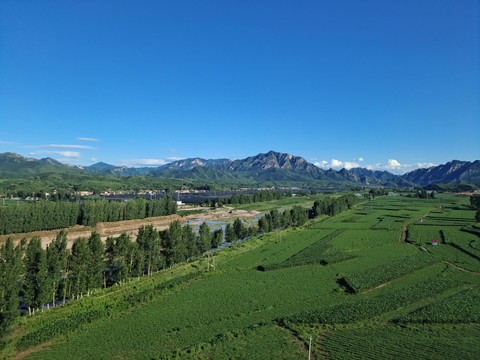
<point>350,282</point>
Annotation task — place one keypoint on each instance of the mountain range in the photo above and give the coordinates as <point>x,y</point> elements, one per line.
<point>272,167</point>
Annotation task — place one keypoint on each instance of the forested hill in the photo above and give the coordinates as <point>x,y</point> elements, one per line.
<point>14,165</point>
<point>268,168</point>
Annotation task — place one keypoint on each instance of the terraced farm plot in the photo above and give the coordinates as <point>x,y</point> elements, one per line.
<point>353,240</point>
<point>367,279</point>
<point>276,247</point>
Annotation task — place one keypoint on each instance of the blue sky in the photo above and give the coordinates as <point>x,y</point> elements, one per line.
<point>381,84</point>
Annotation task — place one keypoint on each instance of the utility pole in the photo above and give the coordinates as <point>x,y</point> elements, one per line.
<point>309,346</point>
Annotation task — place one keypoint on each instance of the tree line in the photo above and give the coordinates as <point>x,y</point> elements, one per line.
<point>258,196</point>
<point>48,215</point>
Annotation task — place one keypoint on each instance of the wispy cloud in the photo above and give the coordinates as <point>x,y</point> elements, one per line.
<point>66,154</point>
<point>7,142</point>
<point>87,139</point>
<point>174,158</point>
<point>62,146</point>
<point>143,162</point>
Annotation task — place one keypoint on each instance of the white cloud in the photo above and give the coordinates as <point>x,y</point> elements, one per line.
<point>66,154</point>
<point>337,164</point>
<point>57,146</point>
<point>69,154</point>
<point>7,142</point>
<point>350,165</point>
<point>396,167</point>
<point>143,162</point>
<point>174,158</point>
<point>321,164</point>
<point>87,139</point>
<point>425,165</point>
<point>393,164</point>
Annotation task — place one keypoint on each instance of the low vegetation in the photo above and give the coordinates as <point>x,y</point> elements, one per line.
<point>364,282</point>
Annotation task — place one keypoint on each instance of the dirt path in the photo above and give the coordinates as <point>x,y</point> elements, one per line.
<point>460,268</point>
<point>130,227</point>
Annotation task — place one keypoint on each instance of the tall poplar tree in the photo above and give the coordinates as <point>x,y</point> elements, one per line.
<point>204,238</point>
<point>36,285</point>
<point>148,241</point>
<point>173,248</point>
<point>217,238</point>
<point>79,266</point>
<point>189,239</point>
<point>57,254</point>
<point>97,264</point>
<point>10,269</point>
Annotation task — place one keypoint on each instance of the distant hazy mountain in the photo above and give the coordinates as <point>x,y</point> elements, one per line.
<point>104,168</point>
<point>188,164</point>
<point>447,173</point>
<point>271,167</point>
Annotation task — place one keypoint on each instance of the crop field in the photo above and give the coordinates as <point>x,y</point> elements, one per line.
<point>350,281</point>
<point>393,342</point>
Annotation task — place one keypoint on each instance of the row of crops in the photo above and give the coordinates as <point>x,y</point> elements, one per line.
<point>365,308</point>
<point>367,279</point>
<point>463,307</point>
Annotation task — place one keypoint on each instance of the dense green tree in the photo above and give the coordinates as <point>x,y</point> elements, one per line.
<point>298,216</point>
<point>204,238</point>
<point>174,247</point>
<point>217,238</point>
<point>190,240</point>
<point>97,263</point>
<point>264,225</point>
<point>148,240</point>
<point>10,270</point>
<point>79,267</point>
<point>230,235</point>
<point>475,202</point>
<point>241,231</point>
<point>57,255</point>
<point>37,289</point>
<point>120,258</point>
